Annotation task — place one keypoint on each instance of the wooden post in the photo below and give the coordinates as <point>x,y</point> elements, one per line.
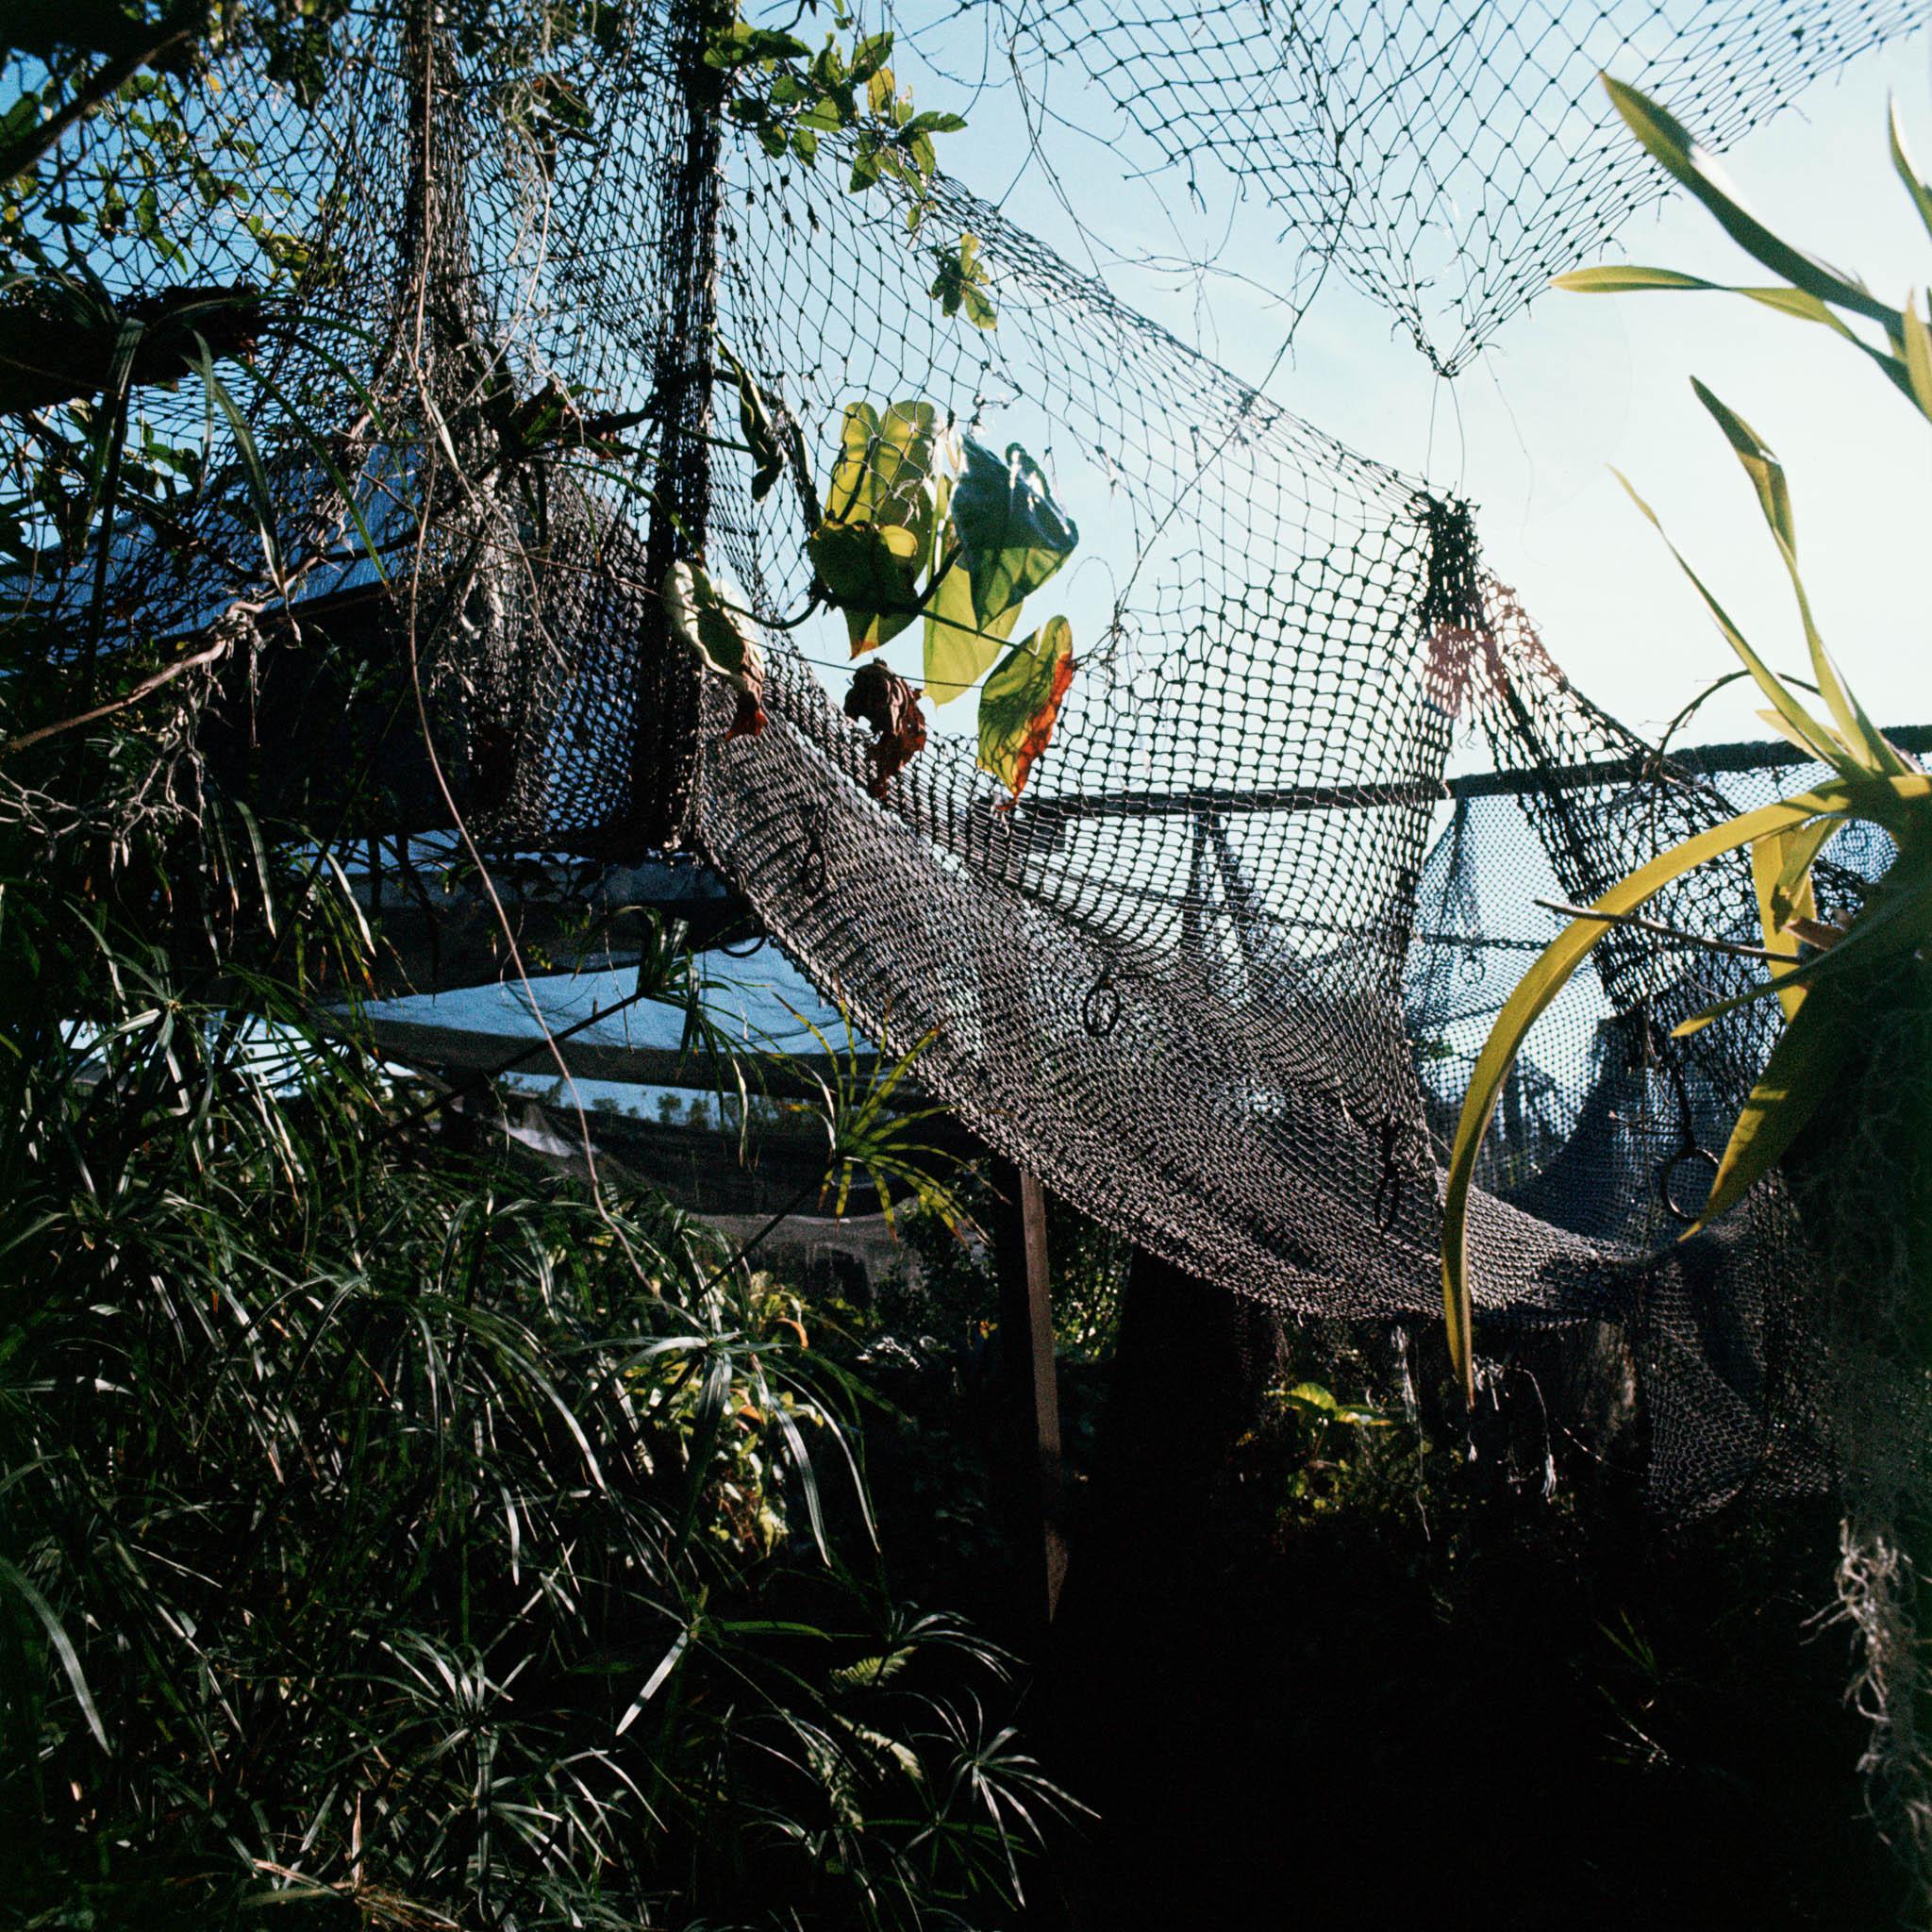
<point>664,754</point>
<point>1027,1358</point>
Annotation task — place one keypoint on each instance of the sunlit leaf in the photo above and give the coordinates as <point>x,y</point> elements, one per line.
<point>885,462</point>
<point>1804,729</point>
<point>1897,919</point>
<point>1808,1061</point>
<point>1013,536</point>
<point>1856,730</point>
<point>960,283</point>
<point>723,637</point>
<point>957,650</point>
<point>1917,341</point>
<point>1781,875</point>
<point>1619,278</point>
<point>870,572</point>
<point>1021,701</point>
<point>883,517</point>
<point>1766,472</point>
<point>1673,146</point>
<point>1916,185</point>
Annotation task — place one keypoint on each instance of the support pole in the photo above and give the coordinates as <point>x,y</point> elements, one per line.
<point>664,755</point>
<point>1027,1356</point>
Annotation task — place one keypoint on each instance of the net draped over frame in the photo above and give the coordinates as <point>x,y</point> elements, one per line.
<point>1448,155</point>
<point>1219,976</point>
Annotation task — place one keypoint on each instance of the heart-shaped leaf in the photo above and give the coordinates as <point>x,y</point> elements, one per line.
<point>957,650</point>
<point>1013,535</point>
<point>870,572</point>
<point>1021,701</point>
<point>721,636</point>
<point>885,463</point>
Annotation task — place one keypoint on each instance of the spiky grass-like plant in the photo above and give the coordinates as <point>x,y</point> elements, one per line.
<point>1842,1108</point>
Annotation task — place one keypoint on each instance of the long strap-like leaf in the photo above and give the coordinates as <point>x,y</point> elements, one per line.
<point>1547,978</point>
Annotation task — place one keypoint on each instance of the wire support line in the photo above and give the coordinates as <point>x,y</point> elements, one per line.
<point>1736,948</point>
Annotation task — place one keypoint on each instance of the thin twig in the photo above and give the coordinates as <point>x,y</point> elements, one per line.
<point>1735,947</point>
<point>484,1077</point>
<point>146,688</point>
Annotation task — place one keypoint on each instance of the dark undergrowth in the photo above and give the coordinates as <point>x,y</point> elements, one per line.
<point>1314,1661</point>
<point>1350,1672</point>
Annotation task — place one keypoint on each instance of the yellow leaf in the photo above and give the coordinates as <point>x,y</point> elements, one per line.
<point>1551,972</point>
<point>1800,1072</point>
<point>1917,357</point>
<point>958,650</point>
<point>1021,701</point>
<point>1781,873</point>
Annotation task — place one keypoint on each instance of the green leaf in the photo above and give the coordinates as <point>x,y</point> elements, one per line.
<point>1021,701</point>
<point>1013,535</point>
<point>960,283</point>
<point>1918,188</point>
<point>1803,1066</point>
<point>883,517</point>
<point>1766,472</point>
<point>1619,278</point>
<point>1547,978</point>
<point>1795,301</point>
<point>885,461</point>
<point>1781,875</point>
<point>1676,149</point>
<point>755,422</point>
<point>870,572</point>
<point>869,55</point>
<point>743,45</point>
<point>718,631</point>
<point>1897,919</point>
<point>1917,343</point>
<point>1804,729</point>
<point>1855,729</point>
<point>957,651</point>
<point>1799,303</point>
<point>252,466</point>
<point>63,1649</point>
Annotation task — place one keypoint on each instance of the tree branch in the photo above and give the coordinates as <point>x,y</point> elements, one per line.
<point>146,688</point>
<point>105,82</point>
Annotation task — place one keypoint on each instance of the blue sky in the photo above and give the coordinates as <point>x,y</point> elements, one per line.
<point>1574,384</point>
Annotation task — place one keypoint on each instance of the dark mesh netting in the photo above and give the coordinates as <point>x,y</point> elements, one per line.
<point>1218,975</point>
<point>1447,156</point>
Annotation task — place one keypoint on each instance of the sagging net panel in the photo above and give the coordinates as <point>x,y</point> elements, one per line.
<point>1208,976</point>
<point>1447,156</point>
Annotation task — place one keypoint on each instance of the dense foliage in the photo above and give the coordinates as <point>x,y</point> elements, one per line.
<point>387,1531</point>
<point>387,1525</point>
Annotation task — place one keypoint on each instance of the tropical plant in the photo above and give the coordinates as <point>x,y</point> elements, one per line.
<point>384,1525</point>
<point>1840,1107</point>
<point>921,523</point>
<point>918,523</point>
<point>1831,980</point>
<point>387,1531</point>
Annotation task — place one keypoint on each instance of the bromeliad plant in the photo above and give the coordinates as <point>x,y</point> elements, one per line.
<point>1838,985</point>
